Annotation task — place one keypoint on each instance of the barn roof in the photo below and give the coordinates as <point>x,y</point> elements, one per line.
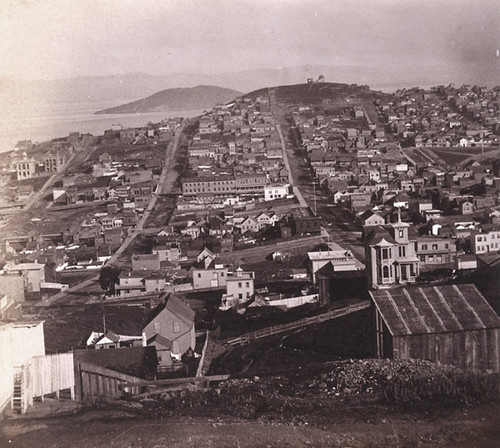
<point>434,309</point>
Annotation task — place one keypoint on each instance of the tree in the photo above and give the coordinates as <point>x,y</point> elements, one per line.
<point>108,277</point>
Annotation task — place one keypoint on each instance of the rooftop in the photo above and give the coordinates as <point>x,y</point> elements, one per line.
<point>434,309</point>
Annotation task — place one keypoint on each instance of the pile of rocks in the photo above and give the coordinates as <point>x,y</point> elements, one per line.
<point>366,376</point>
<point>315,386</point>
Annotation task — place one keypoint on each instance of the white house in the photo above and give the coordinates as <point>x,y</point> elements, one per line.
<point>239,289</point>
<point>485,242</point>
<point>272,192</point>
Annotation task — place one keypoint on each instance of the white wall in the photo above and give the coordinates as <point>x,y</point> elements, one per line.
<point>6,368</point>
<point>18,343</point>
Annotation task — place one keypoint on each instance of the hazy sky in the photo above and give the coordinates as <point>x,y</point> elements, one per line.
<point>44,39</point>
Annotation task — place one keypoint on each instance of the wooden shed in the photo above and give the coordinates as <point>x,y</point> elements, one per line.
<point>445,324</point>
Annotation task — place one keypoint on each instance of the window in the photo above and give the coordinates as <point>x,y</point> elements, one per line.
<point>424,246</point>
<point>222,274</point>
<point>240,295</point>
<point>434,247</point>
<point>199,274</point>
<point>239,285</point>
<point>402,251</point>
<point>385,271</point>
<point>401,233</point>
<point>177,327</point>
<point>386,253</point>
<point>446,246</point>
<point>247,284</point>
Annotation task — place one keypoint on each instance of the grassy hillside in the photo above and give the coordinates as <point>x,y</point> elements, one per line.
<point>200,97</point>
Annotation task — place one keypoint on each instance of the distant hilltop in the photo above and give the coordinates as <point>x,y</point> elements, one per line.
<point>200,97</point>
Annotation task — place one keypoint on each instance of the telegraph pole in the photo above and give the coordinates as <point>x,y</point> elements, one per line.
<point>103,296</point>
<point>314,196</point>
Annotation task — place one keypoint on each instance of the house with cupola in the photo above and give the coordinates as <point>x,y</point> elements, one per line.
<point>390,254</point>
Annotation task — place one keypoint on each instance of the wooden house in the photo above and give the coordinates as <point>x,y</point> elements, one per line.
<point>445,324</point>
<point>170,328</point>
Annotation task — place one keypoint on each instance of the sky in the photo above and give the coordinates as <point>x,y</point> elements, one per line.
<point>51,39</point>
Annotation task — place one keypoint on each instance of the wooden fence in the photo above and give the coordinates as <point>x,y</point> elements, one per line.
<point>178,288</point>
<point>51,374</point>
<point>199,371</point>
<point>203,380</point>
<point>299,324</point>
<point>97,383</point>
<point>40,376</point>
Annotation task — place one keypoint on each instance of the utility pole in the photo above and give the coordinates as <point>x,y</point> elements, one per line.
<point>314,196</point>
<point>482,142</point>
<point>103,315</point>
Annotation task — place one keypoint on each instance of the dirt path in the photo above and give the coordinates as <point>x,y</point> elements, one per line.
<point>361,427</point>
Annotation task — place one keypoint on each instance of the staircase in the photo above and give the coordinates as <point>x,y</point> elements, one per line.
<point>18,402</point>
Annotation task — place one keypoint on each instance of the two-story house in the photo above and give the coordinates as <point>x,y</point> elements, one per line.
<point>434,252</point>
<point>390,255</point>
<point>487,240</point>
<point>170,328</point>
<point>210,278</point>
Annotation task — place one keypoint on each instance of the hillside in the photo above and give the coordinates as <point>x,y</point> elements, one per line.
<point>322,94</point>
<point>200,97</point>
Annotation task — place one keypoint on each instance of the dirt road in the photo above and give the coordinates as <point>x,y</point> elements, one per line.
<point>357,427</point>
<point>167,180</point>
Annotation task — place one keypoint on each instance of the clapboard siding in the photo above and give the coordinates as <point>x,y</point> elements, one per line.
<point>445,324</point>
<point>472,350</point>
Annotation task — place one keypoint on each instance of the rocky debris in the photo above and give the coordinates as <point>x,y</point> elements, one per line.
<point>366,376</point>
<point>315,389</point>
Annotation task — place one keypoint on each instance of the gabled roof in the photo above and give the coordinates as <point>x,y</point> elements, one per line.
<point>207,253</point>
<point>161,340</point>
<point>369,213</point>
<point>175,306</point>
<point>434,309</point>
<point>110,336</point>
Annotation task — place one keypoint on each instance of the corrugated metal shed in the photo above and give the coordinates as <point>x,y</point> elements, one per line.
<point>445,324</point>
<point>434,309</point>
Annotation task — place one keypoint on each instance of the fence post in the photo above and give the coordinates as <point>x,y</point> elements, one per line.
<point>42,382</point>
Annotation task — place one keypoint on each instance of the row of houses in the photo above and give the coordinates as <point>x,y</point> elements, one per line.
<point>236,153</point>
<point>443,116</point>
